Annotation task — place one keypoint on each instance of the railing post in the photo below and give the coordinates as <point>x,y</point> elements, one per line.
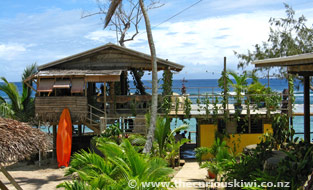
<point>90,112</point>
<point>102,125</point>
<point>248,112</point>
<point>123,127</point>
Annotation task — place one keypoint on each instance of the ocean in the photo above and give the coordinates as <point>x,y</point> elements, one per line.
<point>210,86</point>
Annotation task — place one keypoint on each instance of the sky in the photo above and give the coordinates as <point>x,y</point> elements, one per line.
<point>41,31</point>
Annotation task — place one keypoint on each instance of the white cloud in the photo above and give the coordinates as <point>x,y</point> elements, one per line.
<point>100,36</point>
<point>9,51</point>
<point>199,44</point>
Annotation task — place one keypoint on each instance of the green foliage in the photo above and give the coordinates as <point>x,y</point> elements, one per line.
<point>163,134</point>
<point>200,152</point>
<point>206,103</point>
<point>239,85</point>
<point>215,110</point>
<point>173,148</point>
<point>187,107</point>
<point>293,169</point>
<point>288,36</point>
<point>222,157</point>
<point>113,131</point>
<point>121,164</point>
<point>20,107</point>
<point>167,90</point>
<point>282,133</point>
<point>76,185</point>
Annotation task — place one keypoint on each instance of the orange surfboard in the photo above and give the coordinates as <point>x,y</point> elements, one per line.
<point>64,139</point>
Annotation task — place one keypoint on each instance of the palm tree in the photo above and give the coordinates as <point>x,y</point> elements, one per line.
<point>121,164</point>
<point>239,85</point>
<point>19,107</point>
<point>113,6</point>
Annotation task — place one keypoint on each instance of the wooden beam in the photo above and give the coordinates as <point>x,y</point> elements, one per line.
<point>102,78</point>
<point>10,178</point>
<point>30,86</point>
<point>307,109</point>
<point>2,186</point>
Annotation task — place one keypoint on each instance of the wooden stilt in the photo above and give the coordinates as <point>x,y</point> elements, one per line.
<point>10,178</point>
<point>54,141</point>
<point>307,109</point>
<point>79,130</point>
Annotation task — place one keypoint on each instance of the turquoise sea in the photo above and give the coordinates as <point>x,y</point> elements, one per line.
<point>209,86</point>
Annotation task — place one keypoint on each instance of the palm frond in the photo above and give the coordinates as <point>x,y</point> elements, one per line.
<point>180,128</point>
<point>27,92</point>
<point>10,89</point>
<point>114,4</point>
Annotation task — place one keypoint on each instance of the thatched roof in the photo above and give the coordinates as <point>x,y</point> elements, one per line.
<point>19,140</point>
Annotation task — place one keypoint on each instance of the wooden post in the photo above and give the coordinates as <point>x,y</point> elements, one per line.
<point>10,178</point>
<point>307,109</point>
<point>290,102</point>
<point>225,92</point>
<point>54,132</point>
<point>39,159</point>
<point>102,124</point>
<point>105,102</point>
<point>80,130</point>
<point>123,127</point>
<point>85,84</point>
<point>249,115</point>
<point>112,95</point>
<point>2,186</point>
<point>90,113</point>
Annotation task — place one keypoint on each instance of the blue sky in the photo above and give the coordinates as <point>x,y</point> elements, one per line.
<point>44,30</point>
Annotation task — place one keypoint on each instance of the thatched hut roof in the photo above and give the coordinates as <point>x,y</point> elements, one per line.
<point>19,140</point>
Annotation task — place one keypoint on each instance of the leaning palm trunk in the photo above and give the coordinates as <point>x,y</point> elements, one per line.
<point>154,103</point>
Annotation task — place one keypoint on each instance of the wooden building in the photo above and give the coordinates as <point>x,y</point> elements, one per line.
<point>71,83</point>
<point>301,65</point>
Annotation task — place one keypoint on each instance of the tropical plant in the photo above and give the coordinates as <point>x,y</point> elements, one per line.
<point>257,92</point>
<point>200,152</point>
<point>220,150</point>
<point>121,164</point>
<point>164,134</point>
<point>212,167</point>
<point>239,85</point>
<point>173,149</point>
<point>20,107</point>
<point>112,131</point>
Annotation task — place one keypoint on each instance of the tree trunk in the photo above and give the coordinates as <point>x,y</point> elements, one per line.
<point>154,103</point>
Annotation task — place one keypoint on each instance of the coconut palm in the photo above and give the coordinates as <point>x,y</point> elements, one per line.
<point>19,107</point>
<point>154,104</point>
<point>121,164</point>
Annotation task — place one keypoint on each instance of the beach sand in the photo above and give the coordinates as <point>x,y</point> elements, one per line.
<point>33,177</point>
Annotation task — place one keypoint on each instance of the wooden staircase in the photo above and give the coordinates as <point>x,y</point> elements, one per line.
<point>93,118</point>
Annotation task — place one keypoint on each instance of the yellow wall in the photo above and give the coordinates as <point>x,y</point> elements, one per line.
<point>240,141</point>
